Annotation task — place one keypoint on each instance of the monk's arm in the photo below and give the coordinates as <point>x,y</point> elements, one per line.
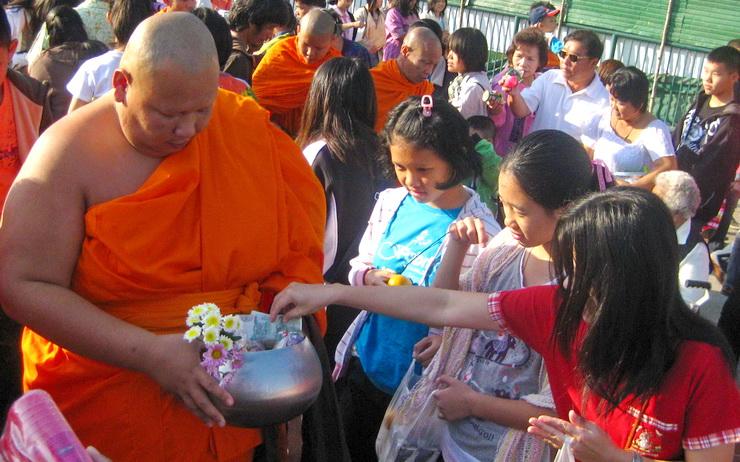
<point>433,307</point>
<point>40,240</point>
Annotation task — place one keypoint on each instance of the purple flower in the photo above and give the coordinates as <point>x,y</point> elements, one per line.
<point>214,357</point>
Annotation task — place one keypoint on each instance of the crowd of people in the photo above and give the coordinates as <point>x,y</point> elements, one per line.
<point>265,156</point>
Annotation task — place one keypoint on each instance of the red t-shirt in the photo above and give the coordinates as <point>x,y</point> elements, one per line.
<point>697,406</point>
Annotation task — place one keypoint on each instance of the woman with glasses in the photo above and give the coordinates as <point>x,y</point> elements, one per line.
<point>632,142</point>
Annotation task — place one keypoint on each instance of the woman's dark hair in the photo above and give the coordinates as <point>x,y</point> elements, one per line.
<point>125,15</point>
<point>341,108</point>
<point>445,132</point>
<point>530,36</point>
<point>64,25</point>
<point>630,85</point>
<point>258,12</point>
<point>587,38</point>
<point>404,6</point>
<point>431,3</point>
<point>41,9</point>
<point>550,166</point>
<point>607,68</point>
<point>471,47</point>
<point>617,255</point>
<point>219,29</point>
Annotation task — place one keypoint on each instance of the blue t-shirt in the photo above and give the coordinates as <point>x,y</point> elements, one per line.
<point>385,345</point>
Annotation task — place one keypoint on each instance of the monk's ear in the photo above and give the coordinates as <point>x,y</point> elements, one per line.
<point>121,80</point>
<point>405,50</point>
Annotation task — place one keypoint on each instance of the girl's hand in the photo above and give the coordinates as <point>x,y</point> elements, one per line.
<point>377,277</point>
<point>426,348</point>
<point>494,107</point>
<point>298,300</point>
<point>588,441</point>
<point>454,398</point>
<point>468,231</point>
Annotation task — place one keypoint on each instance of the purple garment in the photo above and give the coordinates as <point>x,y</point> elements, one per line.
<point>396,26</point>
<point>506,120</point>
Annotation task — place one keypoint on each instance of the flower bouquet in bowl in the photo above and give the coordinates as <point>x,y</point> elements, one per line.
<point>270,368</point>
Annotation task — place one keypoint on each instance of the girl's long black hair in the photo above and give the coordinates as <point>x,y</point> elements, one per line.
<point>617,254</point>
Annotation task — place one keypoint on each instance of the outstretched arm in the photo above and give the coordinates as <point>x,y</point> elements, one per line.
<point>434,307</point>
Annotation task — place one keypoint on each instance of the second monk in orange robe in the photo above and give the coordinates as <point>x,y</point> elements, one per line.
<point>163,194</point>
<point>283,77</point>
<point>407,75</point>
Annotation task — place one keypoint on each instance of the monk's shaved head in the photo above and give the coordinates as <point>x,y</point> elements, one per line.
<point>422,38</point>
<point>173,40</point>
<point>167,83</point>
<point>420,52</point>
<point>318,30</point>
<point>318,22</point>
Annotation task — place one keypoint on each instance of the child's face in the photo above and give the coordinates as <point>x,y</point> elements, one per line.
<point>530,223</point>
<point>454,63</point>
<point>420,170</point>
<point>526,60</point>
<point>548,24</point>
<point>439,5</point>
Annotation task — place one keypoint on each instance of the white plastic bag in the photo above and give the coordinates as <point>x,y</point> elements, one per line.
<point>411,428</point>
<point>565,454</point>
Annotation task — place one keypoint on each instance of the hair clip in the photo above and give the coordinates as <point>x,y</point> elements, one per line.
<point>426,105</point>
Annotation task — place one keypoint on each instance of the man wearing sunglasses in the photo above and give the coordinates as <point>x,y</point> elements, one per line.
<point>568,98</point>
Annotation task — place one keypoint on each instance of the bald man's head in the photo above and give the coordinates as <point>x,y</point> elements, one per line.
<point>318,29</point>
<point>167,83</point>
<point>420,52</point>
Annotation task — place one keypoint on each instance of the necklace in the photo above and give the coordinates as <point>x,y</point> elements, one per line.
<point>614,129</point>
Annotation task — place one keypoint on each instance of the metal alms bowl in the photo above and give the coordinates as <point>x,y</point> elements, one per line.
<point>273,386</point>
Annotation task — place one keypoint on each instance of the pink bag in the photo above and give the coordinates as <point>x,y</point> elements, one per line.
<point>36,431</point>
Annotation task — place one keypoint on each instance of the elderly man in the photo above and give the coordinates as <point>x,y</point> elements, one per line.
<point>568,98</point>
<point>682,197</point>
<point>283,77</point>
<point>130,211</point>
<point>407,75</point>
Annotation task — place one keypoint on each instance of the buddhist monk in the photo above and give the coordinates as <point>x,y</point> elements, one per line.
<point>283,77</point>
<point>397,79</point>
<point>128,212</point>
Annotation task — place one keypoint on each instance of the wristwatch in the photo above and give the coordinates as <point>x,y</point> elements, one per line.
<point>636,457</point>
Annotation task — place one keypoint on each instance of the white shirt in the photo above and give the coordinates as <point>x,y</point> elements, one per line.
<point>466,93</point>
<point>694,267</point>
<point>623,157</point>
<point>558,108</point>
<point>95,76</point>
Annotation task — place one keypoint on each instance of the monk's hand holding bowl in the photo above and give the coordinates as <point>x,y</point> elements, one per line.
<point>175,365</point>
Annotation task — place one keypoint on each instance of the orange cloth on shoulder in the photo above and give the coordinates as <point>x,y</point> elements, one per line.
<point>224,220</point>
<point>282,80</point>
<point>392,87</point>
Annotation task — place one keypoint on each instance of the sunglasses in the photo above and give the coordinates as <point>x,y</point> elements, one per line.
<point>574,58</point>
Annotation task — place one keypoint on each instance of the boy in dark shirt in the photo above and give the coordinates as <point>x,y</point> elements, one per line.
<point>707,138</point>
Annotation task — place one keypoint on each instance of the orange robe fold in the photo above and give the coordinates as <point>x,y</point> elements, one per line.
<point>234,216</point>
<point>392,87</point>
<point>282,80</point>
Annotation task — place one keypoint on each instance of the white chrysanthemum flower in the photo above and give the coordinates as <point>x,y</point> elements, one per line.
<point>211,319</point>
<point>211,335</point>
<point>232,323</point>
<point>192,334</point>
<point>198,310</point>
<point>212,308</point>
<point>227,343</point>
<point>192,319</point>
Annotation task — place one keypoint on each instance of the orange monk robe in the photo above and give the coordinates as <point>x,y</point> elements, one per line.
<point>236,214</point>
<point>282,80</point>
<point>392,87</point>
